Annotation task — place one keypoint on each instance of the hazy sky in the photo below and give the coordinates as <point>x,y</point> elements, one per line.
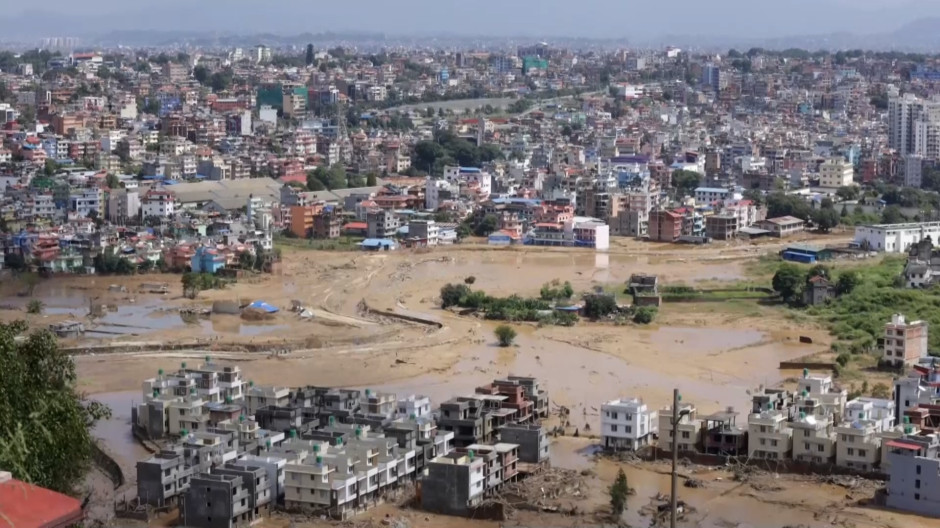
<point>631,19</point>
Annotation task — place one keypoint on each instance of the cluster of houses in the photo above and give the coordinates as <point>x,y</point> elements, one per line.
<point>234,450</point>
<point>817,425</point>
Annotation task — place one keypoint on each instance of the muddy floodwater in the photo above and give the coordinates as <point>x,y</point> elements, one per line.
<point>578,378</point>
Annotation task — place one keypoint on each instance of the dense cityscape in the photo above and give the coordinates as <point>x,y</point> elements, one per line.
<point>476,285</point>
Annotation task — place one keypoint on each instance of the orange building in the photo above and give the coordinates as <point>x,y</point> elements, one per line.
<point>302,219</point>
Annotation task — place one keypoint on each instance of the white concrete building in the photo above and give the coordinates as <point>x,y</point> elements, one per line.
<point>836,172</point>
<point>86,201</point>
<point>472,177</point>
<point>627,424</point>
<point>895,238</point>
<point>820,388</point>
<point>814,439</point>
<point>414,406</point>
<point>880,412</point>
<point>769,435</point>
<point>706,195</point>
<point>433,190</point>
<point>689,428</point>
<point>858,445</point>
<point>257,397</point>
<point>158,203</point>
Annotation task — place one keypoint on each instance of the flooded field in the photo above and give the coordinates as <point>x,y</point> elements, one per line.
<point>713,353</point>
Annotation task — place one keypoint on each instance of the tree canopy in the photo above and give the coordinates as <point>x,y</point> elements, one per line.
<point>45,433</point>
<point>780,204</point>
<point>685,182</point>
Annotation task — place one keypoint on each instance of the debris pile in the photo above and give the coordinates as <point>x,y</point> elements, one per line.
<point>551,490</point>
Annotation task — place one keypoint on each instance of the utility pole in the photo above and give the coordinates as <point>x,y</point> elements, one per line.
<point>675,457</point>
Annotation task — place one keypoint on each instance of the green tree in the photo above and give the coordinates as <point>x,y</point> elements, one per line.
<point>371,180</point>
<point>597,305</point>
<point>451,294</point>
<point>191,284</point>
<point>309,56</point>
<point>314,183</point>
<point>788,282</point>
<point>337,178</point>
<point>34,306</point>
<point>848,281</point>
<point>892,215</point>
<point>780,204</point>
<point>505,335</point>
<point>685,182</point>
<point>112,181</point>
<point>45,433</point>
<point>221,80</point>
<point>201,74</point>
<point>825,218</point>
<point>618,492</point>
<point>645,315</point>
<point>50,167</point>
<point>848,192</point>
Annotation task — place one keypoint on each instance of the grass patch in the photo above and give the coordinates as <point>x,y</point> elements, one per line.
<point>763,267</point>
<point>313,244</point>
<point>857,319</point>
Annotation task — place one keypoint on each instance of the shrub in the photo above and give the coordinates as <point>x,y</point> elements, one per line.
<point>34,306</point>
<point>843,359</point>
<point>505,334</point>
<point>645,315</point>
<point>451,294</point>
<point>599,305</point>
<point>470,280</point>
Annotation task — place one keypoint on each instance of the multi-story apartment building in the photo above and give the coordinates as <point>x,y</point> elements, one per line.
<point>905,343</point>
<point>455,484</point>
<point>163,478</point>
<point>689,428</point>
<point>665,226</point>
<point>627,424</point>
<point>914,474</point>
<point>721,227</point>
<point>836,172</point>
<point>814,439</point>
<point>123,206</point>
<point>769,435</point>
<point>820,388</point>
<point>158,203</point>
<point>467,419</point>
<point>382,224</point>
<point>414,406</point>
<point>257,397</point>
<point>858,445</point>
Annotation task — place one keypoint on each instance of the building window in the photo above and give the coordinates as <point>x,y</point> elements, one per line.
<point>613,428</point>
<point>861,452</point>
<point>917,484</point>
<point>918,469</point>
<point>850,452</point>
<point>917,496</point>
